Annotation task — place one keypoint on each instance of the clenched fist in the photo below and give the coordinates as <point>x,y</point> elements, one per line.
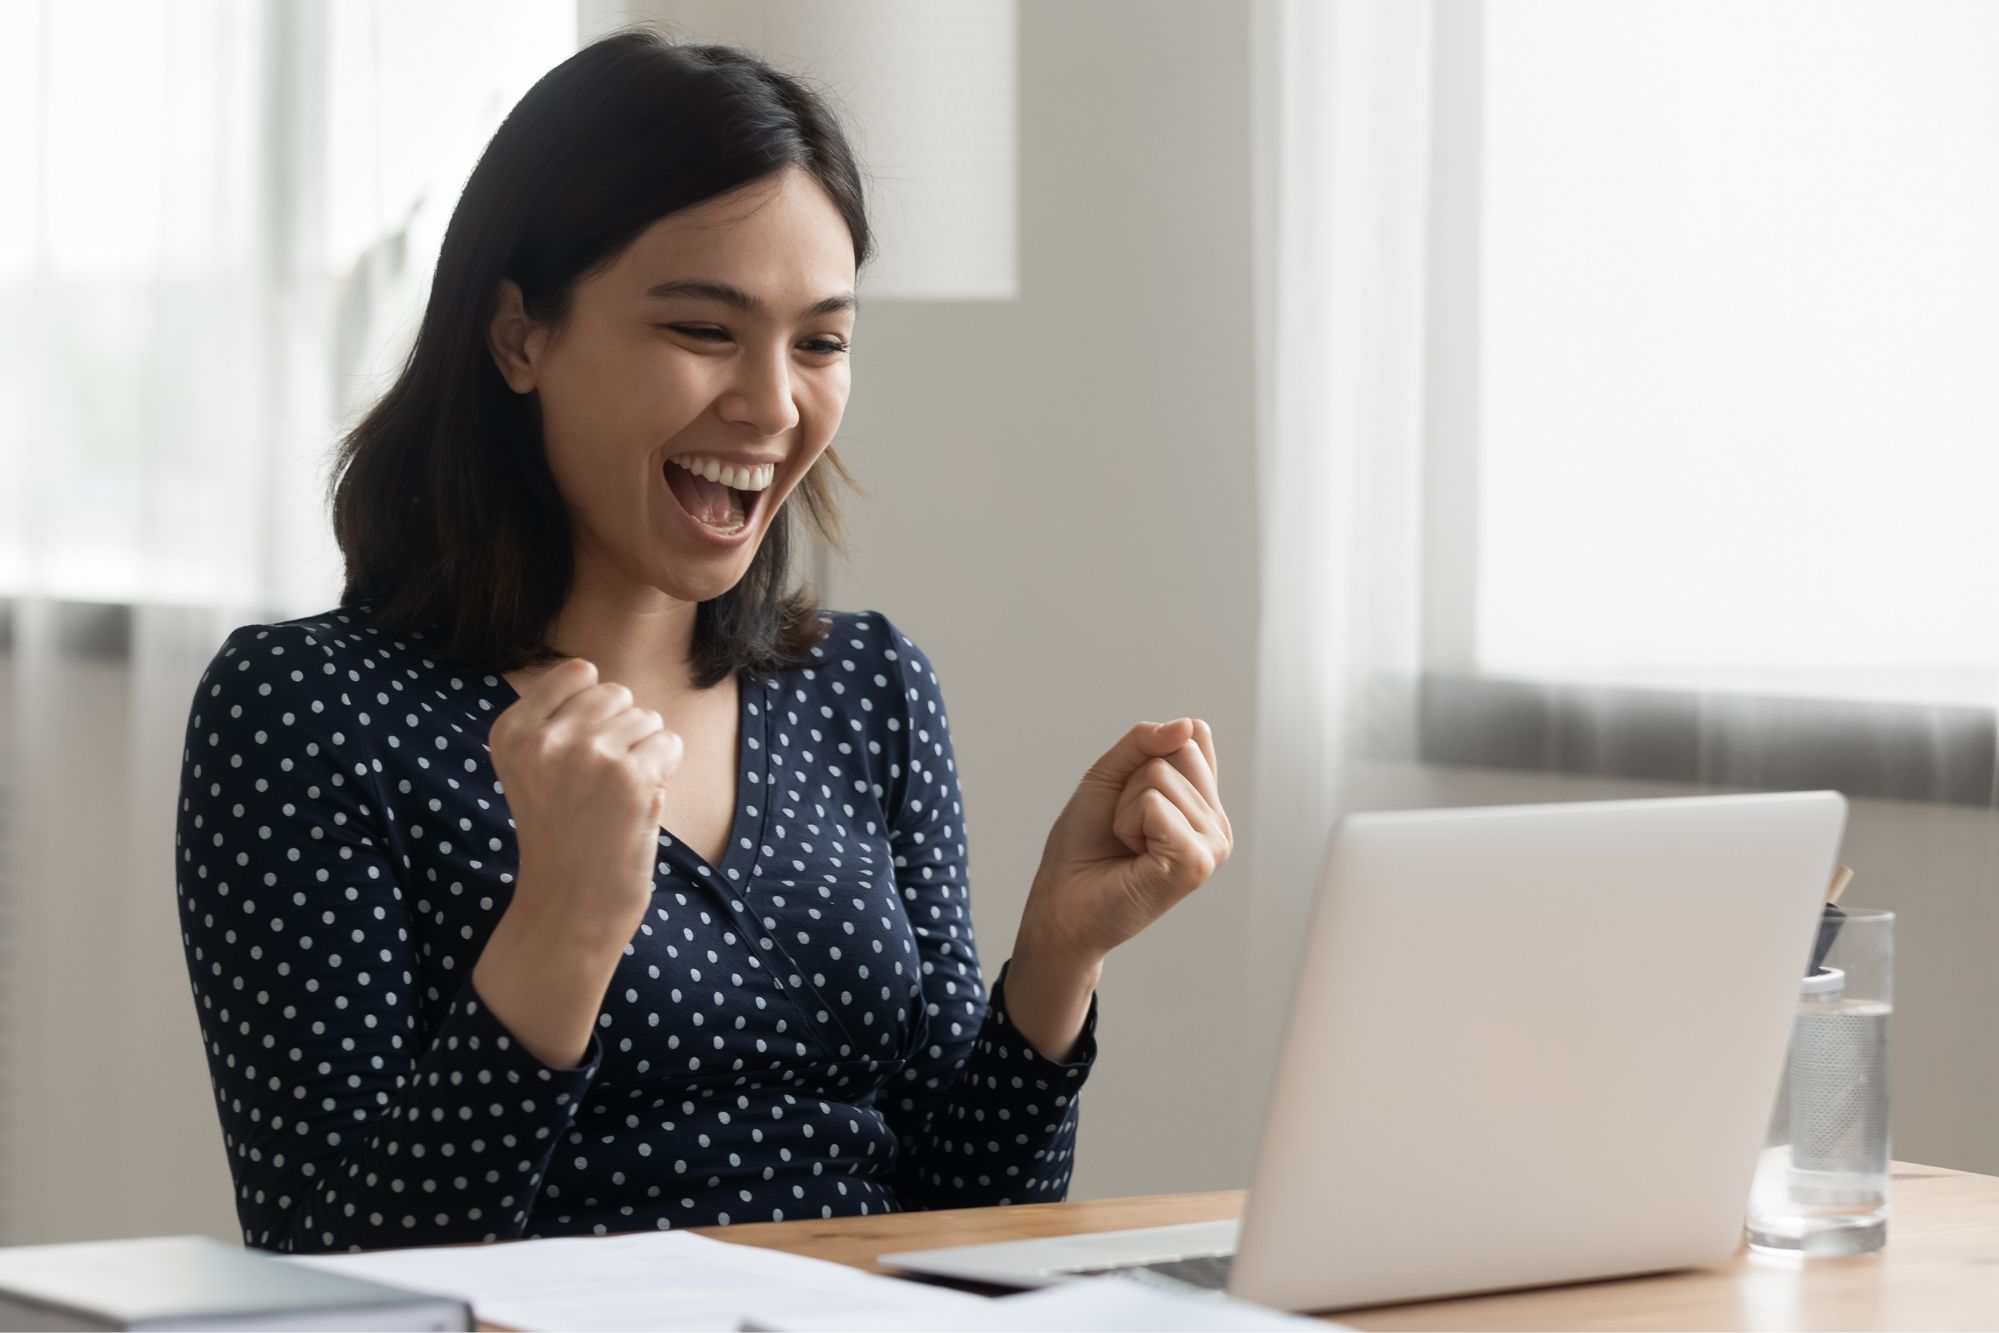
<point>582,770</point>
<point>1144,829</point>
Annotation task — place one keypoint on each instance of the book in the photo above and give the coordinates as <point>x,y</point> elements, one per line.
<point>200,1282</point>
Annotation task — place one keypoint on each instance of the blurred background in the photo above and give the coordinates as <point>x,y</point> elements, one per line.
<point>1453,401</point>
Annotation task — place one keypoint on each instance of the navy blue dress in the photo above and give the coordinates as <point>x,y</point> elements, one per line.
<point>800,1031</point>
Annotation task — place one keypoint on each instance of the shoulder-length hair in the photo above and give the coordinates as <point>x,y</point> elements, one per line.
<point>444,505</point>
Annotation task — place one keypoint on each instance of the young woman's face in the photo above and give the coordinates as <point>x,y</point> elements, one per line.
<point>644,371</point>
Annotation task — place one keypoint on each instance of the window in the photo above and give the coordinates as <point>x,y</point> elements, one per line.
<point>1739,328</point>
<point>217,237</point>
<point>1733,275</point>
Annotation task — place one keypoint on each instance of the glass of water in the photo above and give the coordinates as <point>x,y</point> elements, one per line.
<point>1822,1182</point>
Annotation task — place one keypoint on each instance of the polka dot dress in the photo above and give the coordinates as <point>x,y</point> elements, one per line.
<point>801,1031</point>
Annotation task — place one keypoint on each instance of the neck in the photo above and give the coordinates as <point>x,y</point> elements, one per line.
<point>637,635</point>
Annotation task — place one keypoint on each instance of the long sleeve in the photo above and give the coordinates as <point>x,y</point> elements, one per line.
<point>356,1113</point>
<point>981,1117</point>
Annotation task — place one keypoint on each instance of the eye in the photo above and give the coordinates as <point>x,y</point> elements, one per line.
<point>696,331</point>
<point>822,346</point>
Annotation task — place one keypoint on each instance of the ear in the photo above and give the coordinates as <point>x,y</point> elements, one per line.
<point>514,338</point>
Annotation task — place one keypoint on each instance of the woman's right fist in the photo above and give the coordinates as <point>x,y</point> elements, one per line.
<point>583,773</point>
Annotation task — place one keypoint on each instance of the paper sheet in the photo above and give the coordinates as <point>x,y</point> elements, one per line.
<point>1096,1303</point>
<point>669,1280</point>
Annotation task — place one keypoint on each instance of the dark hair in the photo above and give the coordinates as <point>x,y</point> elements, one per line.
<point>444,505</point>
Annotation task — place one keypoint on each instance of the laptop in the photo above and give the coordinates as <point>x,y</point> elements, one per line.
<point>1527,1045</point>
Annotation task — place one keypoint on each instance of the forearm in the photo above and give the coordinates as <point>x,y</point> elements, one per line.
<point>545,982</point>
<point>1048,989</point>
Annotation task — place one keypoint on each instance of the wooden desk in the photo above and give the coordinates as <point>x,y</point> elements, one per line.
<point>1940,1269</point>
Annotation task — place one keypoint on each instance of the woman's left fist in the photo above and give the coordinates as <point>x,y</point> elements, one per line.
<point>1144,829</point>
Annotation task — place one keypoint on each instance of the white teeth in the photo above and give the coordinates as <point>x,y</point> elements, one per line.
<point>741,478</point>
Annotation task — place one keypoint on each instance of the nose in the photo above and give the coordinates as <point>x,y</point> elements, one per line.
<point>760,394</point>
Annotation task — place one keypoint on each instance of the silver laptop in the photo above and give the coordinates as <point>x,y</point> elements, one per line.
<point>1528,1045</point>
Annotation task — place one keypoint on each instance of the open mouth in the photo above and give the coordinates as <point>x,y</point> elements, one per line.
<point>722,509</point>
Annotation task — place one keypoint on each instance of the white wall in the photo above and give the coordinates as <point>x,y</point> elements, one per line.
<point>110,1124</point>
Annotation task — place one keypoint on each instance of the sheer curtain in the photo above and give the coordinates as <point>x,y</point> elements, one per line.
<point>1343,131</point>
<point>1621,435</point>
<point>215,245</point>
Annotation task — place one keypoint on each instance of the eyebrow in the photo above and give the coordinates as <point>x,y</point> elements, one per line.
<point>705,290</point>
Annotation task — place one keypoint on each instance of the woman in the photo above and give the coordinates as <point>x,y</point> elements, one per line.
<point>571,876</point>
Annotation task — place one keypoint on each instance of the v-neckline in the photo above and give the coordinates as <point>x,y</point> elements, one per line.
<point>752,770</point>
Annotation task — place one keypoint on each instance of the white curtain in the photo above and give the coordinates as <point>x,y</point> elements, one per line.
<point>215,242</point>
<point>1343,135</point>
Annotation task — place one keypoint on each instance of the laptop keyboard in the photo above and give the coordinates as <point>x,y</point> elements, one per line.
<point>1209,1272</point>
